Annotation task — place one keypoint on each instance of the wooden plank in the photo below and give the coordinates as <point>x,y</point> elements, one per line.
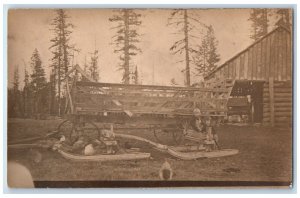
<point>263,58</point>
<point>279,109</point>
<point>267,58</point>
<point>233,69</point>
<point>280,58</point>
<point>289,57</point>
<point>222,72</point>
<point>259,61</point>
<point>284,56</point>
<point>230,70</point>
<point>278,114</point>
<point>254,62</point>
<point>275,56</point>
<point>271,94</point>
<point>237,63</point>
<point>250,62</point>
<point>246,66</point>
<point>227,71</point>
<point>242,60</point>
<point>279,100</point>
<point>272,55</point>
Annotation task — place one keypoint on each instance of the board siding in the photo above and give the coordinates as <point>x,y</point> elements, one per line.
<point>284,57</point>
<point>269,57</point>
<point>289,57</point>
<point>258,61</point>
<point>250,73</point>
<point>242,60</point>
<point>237,67</point>
<point>254,62</point>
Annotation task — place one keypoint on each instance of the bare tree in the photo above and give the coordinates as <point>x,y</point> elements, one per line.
<point>61,49</point>
<point>188,25</point>
<point>126,38</point>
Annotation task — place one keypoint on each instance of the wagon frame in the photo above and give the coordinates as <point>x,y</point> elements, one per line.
<point>88,101</point>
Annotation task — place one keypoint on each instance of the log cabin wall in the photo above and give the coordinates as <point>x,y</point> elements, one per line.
<point>282,104</point>
<point>267,58</point>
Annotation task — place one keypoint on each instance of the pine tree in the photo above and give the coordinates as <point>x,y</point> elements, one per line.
<point>52,108</point>
<point>15,94</point>
<point>94,66</point>
<point>126,38</point>
<point>208,57</point>
<point>259,23</point>
<point>61,49</point>
<point>186,22</point>
<point>38,82</point>
<point>26,92</point>
<point>16,82</point>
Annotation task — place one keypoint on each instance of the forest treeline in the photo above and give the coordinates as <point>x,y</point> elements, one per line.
<point>197,45</point>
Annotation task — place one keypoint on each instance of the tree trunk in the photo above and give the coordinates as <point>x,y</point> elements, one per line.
<point>187,58</point>
<point>126,47</point>
<point>58,81</point>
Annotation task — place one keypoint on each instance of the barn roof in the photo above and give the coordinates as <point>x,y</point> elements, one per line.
<point>247,48</point>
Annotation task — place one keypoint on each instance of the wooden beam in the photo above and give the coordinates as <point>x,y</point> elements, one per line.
<point>267,58</point>
<point>246,65</point>
<point>271,96</point>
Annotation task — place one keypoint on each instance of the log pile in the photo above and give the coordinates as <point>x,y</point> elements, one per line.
<point>281,98</point>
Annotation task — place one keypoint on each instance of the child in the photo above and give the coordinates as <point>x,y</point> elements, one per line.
<point>211,137</point>
<point>197,124</point>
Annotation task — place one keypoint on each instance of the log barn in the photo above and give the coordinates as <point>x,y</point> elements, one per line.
<point>263,73</point>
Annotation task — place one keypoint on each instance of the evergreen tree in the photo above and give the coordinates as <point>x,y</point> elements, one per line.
<point>283,18</point>
<point>208,57</point>
<point>15,95</point>
<point>52,84</point>
<point>38,82</point>
<point>94,66</point>
<point>126,38</point>
<point>61,49</point>
<point>186,22</point>
<point>16,82</point>
<point>26,93</point>
<point>259,23</point>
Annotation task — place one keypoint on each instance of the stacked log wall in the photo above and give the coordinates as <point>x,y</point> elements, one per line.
<point>283,104</point>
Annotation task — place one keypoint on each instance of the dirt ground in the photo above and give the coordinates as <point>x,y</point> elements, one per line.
<point>265,154</point>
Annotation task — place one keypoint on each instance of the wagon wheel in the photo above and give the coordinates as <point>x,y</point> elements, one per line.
<point>72,131</point>
<point>178,135</point>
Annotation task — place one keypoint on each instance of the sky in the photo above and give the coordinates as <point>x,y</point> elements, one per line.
<point>29,29</point>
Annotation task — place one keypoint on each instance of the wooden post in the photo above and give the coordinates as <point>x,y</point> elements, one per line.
<point>271,96</point>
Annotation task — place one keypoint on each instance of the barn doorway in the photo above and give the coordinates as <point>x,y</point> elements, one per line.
<point>253,90</point>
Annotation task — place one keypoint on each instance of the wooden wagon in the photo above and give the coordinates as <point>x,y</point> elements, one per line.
<point>167,108</point>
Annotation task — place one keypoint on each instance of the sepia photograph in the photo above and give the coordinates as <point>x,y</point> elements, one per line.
<point>150,97</point>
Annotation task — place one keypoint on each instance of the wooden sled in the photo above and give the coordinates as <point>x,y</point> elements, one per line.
<point>178,151</point>
<point>102,158</point>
